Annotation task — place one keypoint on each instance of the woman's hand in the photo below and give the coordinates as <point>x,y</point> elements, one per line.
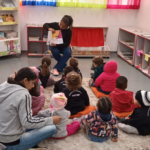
<point>56,120</point>
<point>53,44</point>
<point>13,75</point>
<point>50,29</point>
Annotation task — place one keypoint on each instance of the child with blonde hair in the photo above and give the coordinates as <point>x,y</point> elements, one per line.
<point>101,123</point>
<point>77,96</point>
<point>57,103</point>
<point>44,72</point>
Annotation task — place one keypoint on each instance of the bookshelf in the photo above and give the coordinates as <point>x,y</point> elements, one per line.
<point>142,55</point>
<point>127,43</point>
<point>36,48</point>
<point>10,46</point>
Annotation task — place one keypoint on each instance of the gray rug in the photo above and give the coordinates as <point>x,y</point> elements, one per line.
<point>79,140</point>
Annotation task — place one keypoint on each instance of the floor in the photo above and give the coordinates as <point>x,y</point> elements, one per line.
<point>136,79</point>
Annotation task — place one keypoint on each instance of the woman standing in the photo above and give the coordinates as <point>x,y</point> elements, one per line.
<point>65,26</point>
<point>16,114</point>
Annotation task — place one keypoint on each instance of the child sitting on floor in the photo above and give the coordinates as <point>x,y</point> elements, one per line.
<point>44,72</point>
<point>57,104</point>
<point>122,100</point>
<point>101,123</point>
<point>61,84</point>
<point>73,62</point>
<point>75,93</point>
<point>38,99</point>
<point>98,68</point>
<point>139,121</point>
<point>39,87</point>
<point>106,82</point>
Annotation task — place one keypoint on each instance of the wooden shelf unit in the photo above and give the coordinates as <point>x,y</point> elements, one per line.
<point>36,48</point>
<point>125,50</point>
<point>10,46</point>
<point>140,63</point>
<point>126,36</point>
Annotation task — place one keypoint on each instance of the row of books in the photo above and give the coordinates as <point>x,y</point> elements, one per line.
<point>8,34</point>
<point>7,18</point>
<point>7,4</point>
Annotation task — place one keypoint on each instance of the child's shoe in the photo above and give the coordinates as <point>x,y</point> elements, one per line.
<point>90,82</point>
<point>92,67</point>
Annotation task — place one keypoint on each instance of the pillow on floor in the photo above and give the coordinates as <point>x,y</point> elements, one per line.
<point>123,115</point>
<point>86,111</point>
<point>97,93</point>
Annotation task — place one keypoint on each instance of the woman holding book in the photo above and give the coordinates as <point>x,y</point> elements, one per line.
<point>65,26</point>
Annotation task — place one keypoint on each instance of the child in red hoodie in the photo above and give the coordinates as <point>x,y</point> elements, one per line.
<point>106,82</point>
<point>122,100</point>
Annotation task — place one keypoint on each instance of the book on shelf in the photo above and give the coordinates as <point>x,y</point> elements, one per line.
<point>146,35</point>
<point>8,18</point>
<point>54,37</point>
<point>8,4</point>
<point>1,19</point>
<point>34,38</point>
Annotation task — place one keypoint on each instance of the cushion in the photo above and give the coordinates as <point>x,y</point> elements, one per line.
<point>97,93</point>
<point>86,111</point>
<point>123,115</point>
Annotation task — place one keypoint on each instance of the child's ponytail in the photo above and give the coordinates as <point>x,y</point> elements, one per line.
<point>46,62</point>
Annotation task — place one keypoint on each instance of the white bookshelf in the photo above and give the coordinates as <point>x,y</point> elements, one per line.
<point>127,43</point>
<point>10,46</point>
<point>143,44</point>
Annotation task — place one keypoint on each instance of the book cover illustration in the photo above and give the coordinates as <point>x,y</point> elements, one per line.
<point>54,38</point>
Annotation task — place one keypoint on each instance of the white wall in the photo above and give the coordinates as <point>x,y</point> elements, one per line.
<point>143,15</point>
<point>82,17</point>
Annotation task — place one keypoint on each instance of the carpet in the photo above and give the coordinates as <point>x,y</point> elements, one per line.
<point>79,141</point>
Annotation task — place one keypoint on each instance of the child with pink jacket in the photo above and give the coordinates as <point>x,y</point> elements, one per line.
<point>106,82</point>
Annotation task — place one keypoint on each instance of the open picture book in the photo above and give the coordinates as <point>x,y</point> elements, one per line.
<point>54,38</point>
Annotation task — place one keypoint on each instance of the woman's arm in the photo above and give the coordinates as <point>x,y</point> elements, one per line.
<point>66,41</point>
<point>25,115</point>
<point>50,25</point>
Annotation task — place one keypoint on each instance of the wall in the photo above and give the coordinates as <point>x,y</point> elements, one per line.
<point>143,18</point>
<point>82,17</point>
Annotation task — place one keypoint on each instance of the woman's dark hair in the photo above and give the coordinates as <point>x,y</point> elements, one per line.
<point>67,70</point>
<point>121,82</point>
<point>21,75</point>
<point>104,105</point>
<point>73,81</point>
<point>68,21</point>
<point>34,91</point>
<point>46,62</point>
